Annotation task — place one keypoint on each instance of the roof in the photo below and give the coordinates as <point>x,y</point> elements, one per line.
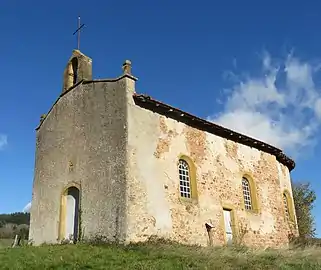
<point>149,103</point>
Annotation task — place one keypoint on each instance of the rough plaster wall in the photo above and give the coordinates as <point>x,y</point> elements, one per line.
<point>87,127</point>
<point>154,206</point>
<point>285,184</point>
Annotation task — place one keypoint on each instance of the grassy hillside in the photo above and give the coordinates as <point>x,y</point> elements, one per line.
<point>14,223</point>
<point>155,256</point>
<point>15,218</point>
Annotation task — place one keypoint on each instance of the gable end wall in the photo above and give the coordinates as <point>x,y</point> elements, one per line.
<point>87,126</point>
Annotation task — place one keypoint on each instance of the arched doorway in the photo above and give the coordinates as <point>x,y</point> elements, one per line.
<point>69,220</point>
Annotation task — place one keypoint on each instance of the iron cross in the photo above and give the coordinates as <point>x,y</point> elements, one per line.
<point>78,32</point>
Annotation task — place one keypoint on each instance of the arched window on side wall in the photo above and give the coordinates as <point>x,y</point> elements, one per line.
<point>288,206</point>
<point>247,194</point>
<point>187,178</point>
<point>184,179</point>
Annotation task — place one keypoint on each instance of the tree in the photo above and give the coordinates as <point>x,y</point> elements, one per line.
<point>15,218</point>
<point>14,223</point>
<point>304,198</point>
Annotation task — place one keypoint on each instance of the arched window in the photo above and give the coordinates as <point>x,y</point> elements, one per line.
<point>286,207</point>
<point>247,194</point>
<point>184,179</point>
<point>289,210</point>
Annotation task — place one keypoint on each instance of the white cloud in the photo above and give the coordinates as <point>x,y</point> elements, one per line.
<point>26,209</point>
<point>3,141</point>
<point>281,106</point>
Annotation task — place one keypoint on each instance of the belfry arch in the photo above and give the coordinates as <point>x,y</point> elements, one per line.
<point>78,68</point>
<point>71,73</point>
<point>74,70</point>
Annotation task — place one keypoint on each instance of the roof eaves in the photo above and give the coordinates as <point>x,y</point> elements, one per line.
<point>147,102</point>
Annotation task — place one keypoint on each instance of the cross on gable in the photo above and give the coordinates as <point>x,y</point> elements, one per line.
<point>78,32</point>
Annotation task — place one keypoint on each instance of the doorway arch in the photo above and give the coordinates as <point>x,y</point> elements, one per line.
<point>69,216</point>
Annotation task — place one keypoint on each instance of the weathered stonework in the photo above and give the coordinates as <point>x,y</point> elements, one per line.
<point>124,157</point>
<point>220,166</point>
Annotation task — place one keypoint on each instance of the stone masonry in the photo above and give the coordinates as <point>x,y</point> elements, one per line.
<point>122,149</point>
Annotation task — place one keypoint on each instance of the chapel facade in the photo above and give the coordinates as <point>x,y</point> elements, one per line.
<point>116,164</point>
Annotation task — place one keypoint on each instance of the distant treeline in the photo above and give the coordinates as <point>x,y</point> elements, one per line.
<point>17,218</point>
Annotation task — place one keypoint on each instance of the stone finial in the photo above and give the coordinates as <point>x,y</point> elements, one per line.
<point>127,67</point>
<point>42,117</point>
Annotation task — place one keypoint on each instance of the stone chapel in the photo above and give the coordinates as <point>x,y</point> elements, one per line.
<point>117,164</point>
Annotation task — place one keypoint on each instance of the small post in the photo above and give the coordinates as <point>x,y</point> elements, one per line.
<point>16,241</point>
<point>209,226</point>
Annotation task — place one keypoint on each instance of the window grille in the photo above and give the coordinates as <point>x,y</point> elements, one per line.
<point>184,179</point>
<point>246,194</point>
<point>286,207</point>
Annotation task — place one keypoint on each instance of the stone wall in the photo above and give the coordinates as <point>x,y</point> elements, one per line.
<point>155,144</point>
<point>82,143</point>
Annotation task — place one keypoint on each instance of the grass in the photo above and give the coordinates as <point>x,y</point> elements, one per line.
<point>155,256</point>
<point>5,243</point>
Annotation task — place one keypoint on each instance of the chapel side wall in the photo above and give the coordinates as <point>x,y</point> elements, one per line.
<point>154,206</point>
<point>286,186</point>
<point>87,126</point>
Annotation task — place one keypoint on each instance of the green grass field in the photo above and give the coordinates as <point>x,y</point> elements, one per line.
<point>155,256</point>
<point>5,242</point>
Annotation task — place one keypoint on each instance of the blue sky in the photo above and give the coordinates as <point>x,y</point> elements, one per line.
<point>251,66</point>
